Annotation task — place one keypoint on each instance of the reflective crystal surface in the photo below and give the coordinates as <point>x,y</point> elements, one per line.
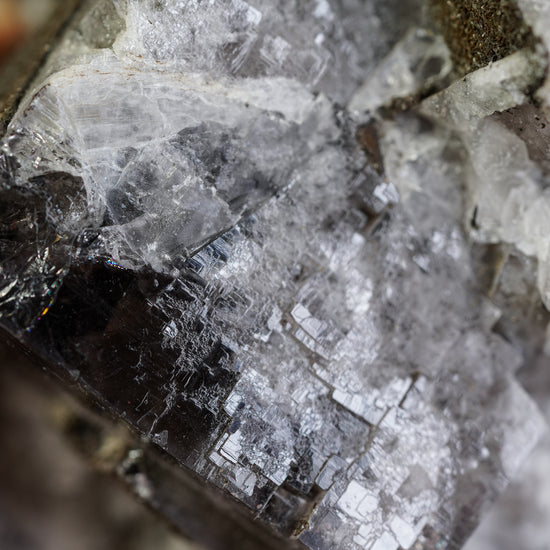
<point>207,227</point>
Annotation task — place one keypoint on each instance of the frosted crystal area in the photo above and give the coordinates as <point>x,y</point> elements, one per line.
<point>194,215</point>
<point>508,181</point>
<point>327,45</point>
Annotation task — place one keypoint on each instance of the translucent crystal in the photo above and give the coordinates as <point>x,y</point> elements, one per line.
<point>201,234</point>
<point>508,199</point>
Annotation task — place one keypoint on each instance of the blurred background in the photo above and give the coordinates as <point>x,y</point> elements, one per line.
<point>19,19</point>
<point>52,498</point>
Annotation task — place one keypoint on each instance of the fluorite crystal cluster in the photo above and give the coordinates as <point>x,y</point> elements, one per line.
<point>218,221</point>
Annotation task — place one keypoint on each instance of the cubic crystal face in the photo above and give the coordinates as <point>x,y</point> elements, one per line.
<point>199,234</point>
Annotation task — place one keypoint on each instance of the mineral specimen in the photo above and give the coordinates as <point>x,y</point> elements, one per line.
<point>206,226</point>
